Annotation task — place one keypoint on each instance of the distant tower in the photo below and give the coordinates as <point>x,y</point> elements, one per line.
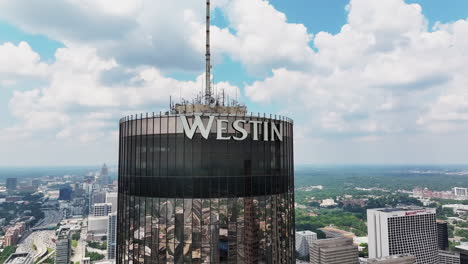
<point>104,175</point>
<point>11,184</point>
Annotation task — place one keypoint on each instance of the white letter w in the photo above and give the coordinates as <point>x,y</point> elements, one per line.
<point>197,123</point>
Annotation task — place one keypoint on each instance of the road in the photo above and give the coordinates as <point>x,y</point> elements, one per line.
<point>79,251</point>
<point>39,239</point>
<point>37,243</point>
<point>52,218</point>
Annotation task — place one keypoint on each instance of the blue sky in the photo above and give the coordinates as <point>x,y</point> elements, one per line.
<point>364,83</point>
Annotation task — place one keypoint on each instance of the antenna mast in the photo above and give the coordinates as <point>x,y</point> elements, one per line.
<point>208,56</point>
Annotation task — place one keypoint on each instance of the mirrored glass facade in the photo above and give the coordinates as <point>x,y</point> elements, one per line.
<point>200,200</point>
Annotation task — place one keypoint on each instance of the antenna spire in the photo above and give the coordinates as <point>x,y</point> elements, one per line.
<point>208,56</point>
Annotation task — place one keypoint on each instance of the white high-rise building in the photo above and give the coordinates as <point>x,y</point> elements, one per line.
<point>406,230</point>
<point>460,192</point>
<point>304,241</point>
<point>112,236</point>
<point>102,209</point>
<point>111,197</point>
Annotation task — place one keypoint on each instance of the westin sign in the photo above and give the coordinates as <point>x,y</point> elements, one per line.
<point>268,131</point>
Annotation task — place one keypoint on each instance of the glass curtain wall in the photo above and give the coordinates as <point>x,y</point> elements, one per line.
<point>203,200</point>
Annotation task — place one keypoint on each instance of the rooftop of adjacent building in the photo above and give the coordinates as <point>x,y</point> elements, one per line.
<point>396,257</point>
<point>400,209</point>
<point>449,253</point>
<point>334,242</point>
<point>305,233</point>
<point>102,204</point>
<point>463,247</point>
<point>63,233</point>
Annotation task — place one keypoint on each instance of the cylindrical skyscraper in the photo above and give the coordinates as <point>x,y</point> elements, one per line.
<point>198,186</point>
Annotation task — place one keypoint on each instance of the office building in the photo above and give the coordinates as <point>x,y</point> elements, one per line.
<point>304,241</point>
<point>112,236</point>
<point>96,197</point>
<point>102,209</point>
<point>447,257</point>
<point>111,197</point>
<point>460,192</point>
<point>11,184</point>
<point>63,247</point>
<point>334,251</point>
<point>36,183</point>
<point>442,235</point>
<point>19,258</point>
<point>396,259</point>
<point>405,230</point>
<point>65,193</point>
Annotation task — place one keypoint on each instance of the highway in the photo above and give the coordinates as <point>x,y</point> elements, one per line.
<point>40,238</point>
<point>52,218</point>
<point>37,243</point>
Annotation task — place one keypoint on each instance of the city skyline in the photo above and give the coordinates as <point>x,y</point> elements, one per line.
<point>366,83</point>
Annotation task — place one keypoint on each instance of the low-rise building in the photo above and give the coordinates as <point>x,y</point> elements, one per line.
<point>327,203</point>
<point>14,233</point>
<point>334,251</point>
